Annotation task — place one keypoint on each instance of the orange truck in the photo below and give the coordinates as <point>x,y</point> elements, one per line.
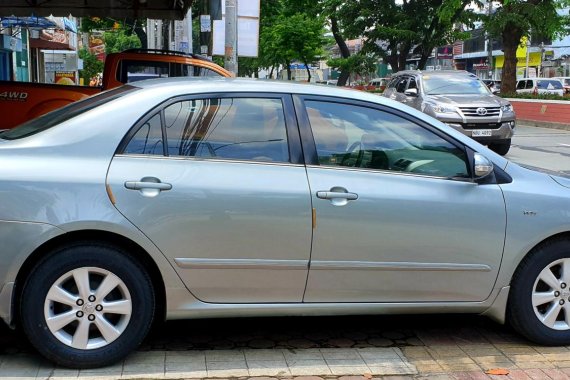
<point>22,101</point>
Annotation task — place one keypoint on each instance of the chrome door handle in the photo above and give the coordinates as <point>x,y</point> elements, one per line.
<point>140,185</point>
<point>336,195</point>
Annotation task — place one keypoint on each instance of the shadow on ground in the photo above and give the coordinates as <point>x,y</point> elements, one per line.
<point>306,332</point>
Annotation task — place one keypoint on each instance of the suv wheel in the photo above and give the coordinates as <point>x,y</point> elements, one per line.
<point>501,148</point>
<point>87,305</point>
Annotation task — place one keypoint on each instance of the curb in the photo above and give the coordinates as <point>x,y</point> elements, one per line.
<point>543,124</point>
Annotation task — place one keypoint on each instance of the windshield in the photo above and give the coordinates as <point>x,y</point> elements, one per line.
<point>551,84</point>
<point>60,115</point>
<point>453,85</point>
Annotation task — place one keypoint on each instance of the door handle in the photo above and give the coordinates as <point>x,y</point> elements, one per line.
<point>337,195</point>
<point>140,185</point>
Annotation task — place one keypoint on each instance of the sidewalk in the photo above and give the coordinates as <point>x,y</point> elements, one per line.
<point>455,352</point>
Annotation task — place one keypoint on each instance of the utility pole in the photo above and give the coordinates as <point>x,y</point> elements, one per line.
<point>230,51</point>
<point>527,56</point>
<point>490,44</point>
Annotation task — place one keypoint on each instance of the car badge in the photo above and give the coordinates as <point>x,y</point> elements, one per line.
<point>481,111</point>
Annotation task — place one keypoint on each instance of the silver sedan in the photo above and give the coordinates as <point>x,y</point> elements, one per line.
<point>181,198</point>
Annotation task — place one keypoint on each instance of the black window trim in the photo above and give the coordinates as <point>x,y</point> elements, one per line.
<point>310,148</point>
<point>296,155</point>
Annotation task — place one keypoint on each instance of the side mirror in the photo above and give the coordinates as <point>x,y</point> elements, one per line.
<point>411,92</point>
<point>482,167</point>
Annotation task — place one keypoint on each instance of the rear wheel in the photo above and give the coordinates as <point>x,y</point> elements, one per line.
<point>539,304</point>
<point>501,148</point>
<point>87,305</point>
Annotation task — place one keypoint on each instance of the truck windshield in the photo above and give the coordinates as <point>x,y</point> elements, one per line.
<point>60,115</point>
<point>453,85</point>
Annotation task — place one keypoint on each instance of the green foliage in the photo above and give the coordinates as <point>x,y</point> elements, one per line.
<point>116,41</point>
<point>391,29</point>
<point>360,64</point>
<point>91,65</point>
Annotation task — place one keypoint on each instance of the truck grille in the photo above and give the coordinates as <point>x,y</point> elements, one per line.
<point>480,111</point>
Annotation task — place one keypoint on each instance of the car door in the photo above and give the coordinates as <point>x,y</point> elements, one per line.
<point>218,184</point>
<point>397,217</point>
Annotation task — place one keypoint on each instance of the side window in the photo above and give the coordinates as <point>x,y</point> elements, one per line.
<point>521,85</point>
<point>530,84</point>
<point>229,128</point>
<point>148,139</point>
<point>412,83</point>
<point>360,137</point>
<point>401,86</point>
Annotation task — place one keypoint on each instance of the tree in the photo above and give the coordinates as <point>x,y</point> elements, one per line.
<point>391,29</point>
<point>297,37</point>
<point>91,65</point>
<point>514,19</point>
<point>117,41</point>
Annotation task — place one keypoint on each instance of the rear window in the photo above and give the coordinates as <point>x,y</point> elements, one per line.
<point>549,84</point>
<point>133,71</point>
<point>60,115</point>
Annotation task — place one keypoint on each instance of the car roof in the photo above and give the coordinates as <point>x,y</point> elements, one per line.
<point>436,73</point>
<point>195,85</point>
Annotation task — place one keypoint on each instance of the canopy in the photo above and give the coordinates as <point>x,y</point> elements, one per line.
<point>27,22</point>
<point>155,9</point>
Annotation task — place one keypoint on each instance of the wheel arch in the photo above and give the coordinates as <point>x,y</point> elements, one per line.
<point>132,248</point>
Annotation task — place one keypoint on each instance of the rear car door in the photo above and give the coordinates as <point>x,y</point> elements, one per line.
<point>397,218</point>
<point>218,184</point>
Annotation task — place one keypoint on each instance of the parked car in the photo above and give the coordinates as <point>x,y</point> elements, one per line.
<point>565,83</point>
<point>378,83</point>
<point>179,198</point>
<point>460,100</point>
<point>540,86</point>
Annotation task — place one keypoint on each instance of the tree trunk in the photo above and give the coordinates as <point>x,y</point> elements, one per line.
<point>344,52</point>
<point>511,40</point>
<point>165,35</point>
<point>271,72</point>
<point>423,60</point>
<point>403,55</point>
<point>288,70</point>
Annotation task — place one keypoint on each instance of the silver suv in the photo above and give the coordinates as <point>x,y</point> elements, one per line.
<point>460,100</point>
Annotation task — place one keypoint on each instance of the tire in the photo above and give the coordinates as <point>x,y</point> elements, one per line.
<point>532,298</point>
<point>501,148</point>
<point>83,338</point>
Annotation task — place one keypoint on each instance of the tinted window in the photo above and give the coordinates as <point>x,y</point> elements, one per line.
<point>361,137</point>
<point>521,85</point>
<point>453,84</point>
<point>238,128</point>
<point>549,84</point>
<point>132,71</point>
<point>148,139</point>
<point>53,118</point>
<point>401,86</point>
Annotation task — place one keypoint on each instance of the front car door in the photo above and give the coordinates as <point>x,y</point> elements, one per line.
<point>218,184</point>
<point>397,218</point>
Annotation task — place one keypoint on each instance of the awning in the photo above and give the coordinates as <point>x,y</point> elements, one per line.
<point>155,9</point>
<point>27,22</point>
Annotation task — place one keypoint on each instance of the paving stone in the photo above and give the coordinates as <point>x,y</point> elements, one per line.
<point>341,342</point>
<point>518,374</point>
<point>556,374</point>
<point>348,370</point>
<point>268,368</point>
<point>309,367</point>
<point>537,374</point>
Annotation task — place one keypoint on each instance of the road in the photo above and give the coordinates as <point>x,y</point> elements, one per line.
<point>541,148</point>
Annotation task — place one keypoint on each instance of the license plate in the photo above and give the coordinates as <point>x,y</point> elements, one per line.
<point>482,133</point>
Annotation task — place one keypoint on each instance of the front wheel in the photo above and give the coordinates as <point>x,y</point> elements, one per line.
<point>539,304</point>
<point>501,148</point>
<point>87,305</point>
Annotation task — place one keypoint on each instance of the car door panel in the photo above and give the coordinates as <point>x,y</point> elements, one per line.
<point>405,239</point>
<point>399,228</point>
<point>228,204</point>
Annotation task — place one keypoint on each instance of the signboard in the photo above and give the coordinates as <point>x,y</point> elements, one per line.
<point>248,30</point>
<point>65,77</point>
<point>97,45</point>
<point>205,24</point>
<point>445,52</point>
